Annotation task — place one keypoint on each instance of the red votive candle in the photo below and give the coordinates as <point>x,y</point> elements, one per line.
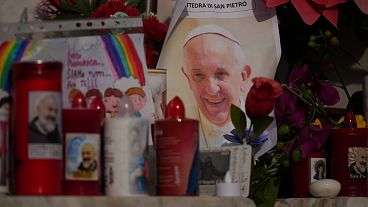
<point>177,141</point>
<point>82,151</point>
<point>36,128</point>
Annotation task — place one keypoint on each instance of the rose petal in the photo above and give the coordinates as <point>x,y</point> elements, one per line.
<point>261,98</point>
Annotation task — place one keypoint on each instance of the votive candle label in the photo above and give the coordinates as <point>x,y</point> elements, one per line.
<point>81,156</point>
<point>44,118</point>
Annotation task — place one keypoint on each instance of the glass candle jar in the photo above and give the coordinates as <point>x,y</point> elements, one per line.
<point>36,128</point>
<point>82,151</point>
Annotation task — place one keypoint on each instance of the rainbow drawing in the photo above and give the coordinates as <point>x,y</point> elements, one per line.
<point>10,51</point>
<point>124,59</point>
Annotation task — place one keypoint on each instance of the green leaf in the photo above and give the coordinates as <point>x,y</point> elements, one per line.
<point>267,194</point>
<point>257,172</point>
<point>259,125</point>
<point>270,192</point>
<point>239,120</point>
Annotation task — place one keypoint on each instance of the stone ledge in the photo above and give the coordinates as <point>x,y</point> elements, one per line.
<point>325,202</point>
<point>150,201</point>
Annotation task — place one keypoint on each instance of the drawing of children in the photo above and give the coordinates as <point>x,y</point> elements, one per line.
<point>91,94</point>
<point>112,100</point>
<point>138,98</point>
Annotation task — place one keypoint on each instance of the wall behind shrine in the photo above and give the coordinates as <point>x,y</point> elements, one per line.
<point>11,10</point>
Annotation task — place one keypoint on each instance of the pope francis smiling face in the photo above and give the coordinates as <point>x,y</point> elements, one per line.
<point>213,63</point>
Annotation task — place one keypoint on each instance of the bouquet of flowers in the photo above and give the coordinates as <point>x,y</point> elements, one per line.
<point>302,116</point>
<point>154,31</point>
<point>309,44</point>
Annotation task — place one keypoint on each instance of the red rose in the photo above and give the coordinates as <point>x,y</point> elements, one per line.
<point>262,97</point>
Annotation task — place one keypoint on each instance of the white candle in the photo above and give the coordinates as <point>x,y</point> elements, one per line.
<point>125,144</point>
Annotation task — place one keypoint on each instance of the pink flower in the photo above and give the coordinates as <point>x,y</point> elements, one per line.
<point>311,10</point>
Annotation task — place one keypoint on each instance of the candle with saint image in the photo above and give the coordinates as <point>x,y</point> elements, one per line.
<point>82,164</point>
<point>36,128</point>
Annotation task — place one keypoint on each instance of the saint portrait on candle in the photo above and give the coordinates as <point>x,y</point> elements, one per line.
<point>358,162</point>
<point>45,118</point>
<point>89,162</point>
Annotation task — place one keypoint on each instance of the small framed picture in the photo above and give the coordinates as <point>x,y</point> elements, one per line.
<point>318,169</point>
<point>317,166</point>
<point>215,162</point>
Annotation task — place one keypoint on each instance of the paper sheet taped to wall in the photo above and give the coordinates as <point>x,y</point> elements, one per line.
<point>213,49</point>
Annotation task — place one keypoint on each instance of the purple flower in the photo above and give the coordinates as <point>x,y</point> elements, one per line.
<point>299,75</point>
<point>327,93</point>
<point>285,106</point>
<point>234,138</point>
<point>297,118</point>
<point>287,111</point>
<point>312,138</point>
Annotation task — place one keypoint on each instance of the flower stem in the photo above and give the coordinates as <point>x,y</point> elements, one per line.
<point>249,130</point>
<point>291,90</point>
<point>312,102</point>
